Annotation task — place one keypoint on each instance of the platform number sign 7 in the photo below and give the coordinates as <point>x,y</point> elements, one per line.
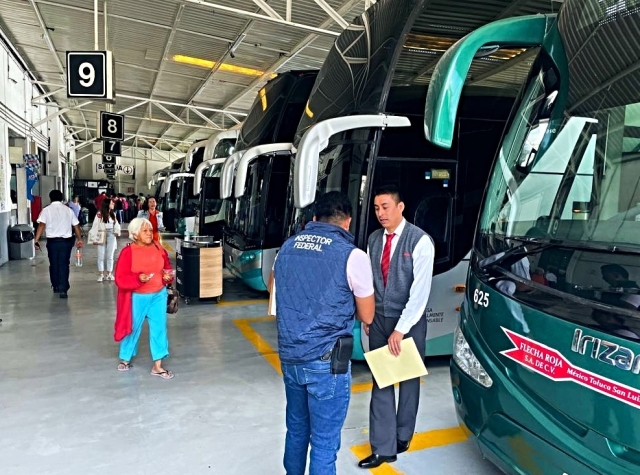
<point>111,126</point>
<point>112,148</point>
<point>90,74</point>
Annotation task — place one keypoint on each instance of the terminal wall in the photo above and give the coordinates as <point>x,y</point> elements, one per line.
<point>19,136</point>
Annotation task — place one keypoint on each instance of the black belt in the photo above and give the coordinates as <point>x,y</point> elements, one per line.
<point>326,356</point>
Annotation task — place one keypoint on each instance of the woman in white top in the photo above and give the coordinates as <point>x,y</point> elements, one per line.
<point>105,223</point>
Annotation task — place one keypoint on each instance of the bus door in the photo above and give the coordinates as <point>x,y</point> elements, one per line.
<point>211,214</point>
<point>428,189</point>
<point>170,202</point>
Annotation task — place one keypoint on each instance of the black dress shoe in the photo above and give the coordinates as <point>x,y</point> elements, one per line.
<point>402,446</point>
<point>375,460</point>
<point>63,295</point>
<point>55,290</point>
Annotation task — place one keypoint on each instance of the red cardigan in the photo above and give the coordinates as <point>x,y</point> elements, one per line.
<point>127,283</point>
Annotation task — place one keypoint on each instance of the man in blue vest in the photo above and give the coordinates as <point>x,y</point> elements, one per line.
<point>402,258</point>
<point>321,281</point>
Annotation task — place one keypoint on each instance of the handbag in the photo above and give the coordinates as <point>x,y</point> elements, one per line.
<point>172,300</point>
<point>100,237</point>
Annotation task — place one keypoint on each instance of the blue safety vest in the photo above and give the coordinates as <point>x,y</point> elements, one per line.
<point>315,305</point>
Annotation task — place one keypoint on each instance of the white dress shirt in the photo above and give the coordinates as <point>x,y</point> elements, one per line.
<point>58,219</point>
<point>423,256</point>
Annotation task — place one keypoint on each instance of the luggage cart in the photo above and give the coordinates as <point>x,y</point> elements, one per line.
<point>199,268</point>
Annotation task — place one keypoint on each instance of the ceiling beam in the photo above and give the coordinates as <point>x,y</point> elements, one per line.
<point>52,48</point>
<point>265,7</point>
<point>214,70</point>
<point>110,15</point>
<point>332,13</point>
<point>257,16</point>
<point>165,51</point>
<point>343,10</point>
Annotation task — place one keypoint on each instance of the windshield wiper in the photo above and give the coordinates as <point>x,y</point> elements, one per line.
<point>514,254</point>
<point>542,244</point>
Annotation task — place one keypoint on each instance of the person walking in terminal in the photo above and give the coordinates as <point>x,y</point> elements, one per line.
<point>142,272</point>
<point>150,212</point>
<point>104,234</point>
<point>321,280</point>
<point>58,222</point>
<point>75,206</point>
<point>402,258</point>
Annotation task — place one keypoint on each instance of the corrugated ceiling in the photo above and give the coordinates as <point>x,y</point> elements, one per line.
<point>146,36</point>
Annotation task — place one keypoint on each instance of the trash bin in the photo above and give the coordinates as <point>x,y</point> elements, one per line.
<point>21,242</point>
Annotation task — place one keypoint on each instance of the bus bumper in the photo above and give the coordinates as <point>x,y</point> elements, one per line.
<point>503,440</point>
<point>246,265</point>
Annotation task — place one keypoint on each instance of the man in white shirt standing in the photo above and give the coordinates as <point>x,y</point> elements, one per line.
<point>402,262</point>
<point>59,222</point>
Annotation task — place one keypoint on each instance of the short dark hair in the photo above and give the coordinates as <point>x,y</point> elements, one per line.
<point>392,190</point>
<point>618,269</point>
<point>55,195</point>
<point>333,207</point>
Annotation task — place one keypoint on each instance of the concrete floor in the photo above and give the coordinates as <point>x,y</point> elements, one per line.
<point>65,410</point>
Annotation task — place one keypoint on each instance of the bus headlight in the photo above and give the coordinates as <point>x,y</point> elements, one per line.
<point>467,361</point>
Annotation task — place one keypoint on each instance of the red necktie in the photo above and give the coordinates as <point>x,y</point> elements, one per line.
<point>386,257</point>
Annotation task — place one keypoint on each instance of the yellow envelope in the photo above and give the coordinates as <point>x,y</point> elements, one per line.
<point>388,369</point>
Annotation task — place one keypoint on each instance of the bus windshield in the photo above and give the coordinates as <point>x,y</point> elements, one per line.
<point>561,220</point>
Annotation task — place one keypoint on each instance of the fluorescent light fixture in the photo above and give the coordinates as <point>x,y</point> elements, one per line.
<point>208,64</point>
<point>263,98</point>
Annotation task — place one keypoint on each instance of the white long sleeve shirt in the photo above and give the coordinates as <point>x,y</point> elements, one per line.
<point>423,257</point>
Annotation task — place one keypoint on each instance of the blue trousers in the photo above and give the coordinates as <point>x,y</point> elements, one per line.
<point>154,308</point>
<point>59,251</point>
<point>317,403</point>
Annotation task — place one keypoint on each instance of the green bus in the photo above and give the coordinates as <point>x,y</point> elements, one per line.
<point>546,362</point>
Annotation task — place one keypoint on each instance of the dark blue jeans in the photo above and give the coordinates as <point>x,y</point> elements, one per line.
<point>59,251</point>
<point>317,403</point>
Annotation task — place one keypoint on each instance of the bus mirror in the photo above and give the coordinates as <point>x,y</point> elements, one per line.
<point>316,139</point>
<point>249,155</point>
<point>450,73</point>
<point>228,172</point>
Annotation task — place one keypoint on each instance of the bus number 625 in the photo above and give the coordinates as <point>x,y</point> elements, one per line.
<point>481,298</point>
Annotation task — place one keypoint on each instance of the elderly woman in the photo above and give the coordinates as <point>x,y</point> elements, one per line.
<point>142,272</point>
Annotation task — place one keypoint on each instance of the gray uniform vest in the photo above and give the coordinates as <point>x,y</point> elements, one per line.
<point>391,300</point>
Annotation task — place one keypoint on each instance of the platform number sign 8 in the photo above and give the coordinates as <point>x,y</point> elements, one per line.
<point>88,74</point>
<point>111,126</point>
<point>481,298</point>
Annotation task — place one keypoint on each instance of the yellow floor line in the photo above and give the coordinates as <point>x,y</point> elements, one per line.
<point>233,303</point>
<point>420,441</point>
<point>437,438</point>
<point>259,343</point>
<point>271,355</point>
<point>361,387</point>
<point>364,450</point>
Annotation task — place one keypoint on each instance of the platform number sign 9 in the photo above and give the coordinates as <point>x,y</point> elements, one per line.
<point>90,74</point>
<point>111,127</point>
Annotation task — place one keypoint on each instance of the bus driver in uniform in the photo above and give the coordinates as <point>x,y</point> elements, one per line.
<point>322,280</point>
<point>402,260</point>
<point>60,222</point>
